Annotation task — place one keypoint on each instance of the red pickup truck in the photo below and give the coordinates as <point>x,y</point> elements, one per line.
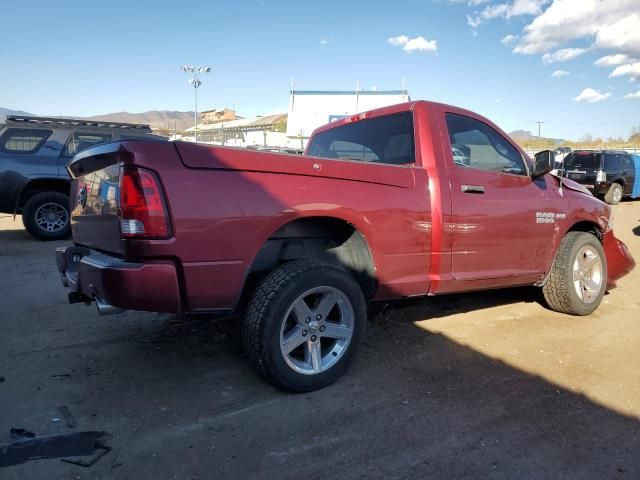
<point>410,200</point>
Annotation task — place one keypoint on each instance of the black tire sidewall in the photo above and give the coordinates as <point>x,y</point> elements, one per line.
<point>31,207</point>
<point>331,276</point>
<point>579,306</point>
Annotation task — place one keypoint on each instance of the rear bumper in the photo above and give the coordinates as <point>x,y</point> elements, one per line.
<point>619,260</point>
<point>151,286</point>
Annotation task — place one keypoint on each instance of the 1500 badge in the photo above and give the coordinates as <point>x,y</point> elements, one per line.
<point>549,217</point>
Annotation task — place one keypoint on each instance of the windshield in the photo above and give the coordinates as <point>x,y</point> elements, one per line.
<point>385,139</point>
<point>583,160</point>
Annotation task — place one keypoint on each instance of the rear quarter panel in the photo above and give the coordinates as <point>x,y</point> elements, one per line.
<point>228,202</point>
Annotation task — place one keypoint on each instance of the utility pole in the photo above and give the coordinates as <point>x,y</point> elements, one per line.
<point>539,127</point>
<point>195,83</point>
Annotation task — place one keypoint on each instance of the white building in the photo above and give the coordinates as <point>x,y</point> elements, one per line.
<point>309,109</point>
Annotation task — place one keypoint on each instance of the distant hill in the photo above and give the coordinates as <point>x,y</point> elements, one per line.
<point>522,136</point>
<point>157,119</point>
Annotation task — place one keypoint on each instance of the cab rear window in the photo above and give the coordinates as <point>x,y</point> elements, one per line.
<point>385,139</point>
<point>23,140</point>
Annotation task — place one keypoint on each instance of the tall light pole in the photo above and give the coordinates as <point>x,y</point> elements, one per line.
<point>539,127</point>
<point>195,82</point>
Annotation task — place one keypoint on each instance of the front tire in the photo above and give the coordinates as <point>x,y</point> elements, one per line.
<point>614,195</point>
<point>303,325</point>
<point>578,277</point>
<point>46,216</point>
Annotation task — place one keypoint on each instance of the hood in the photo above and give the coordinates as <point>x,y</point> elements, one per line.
<point>571,185</point>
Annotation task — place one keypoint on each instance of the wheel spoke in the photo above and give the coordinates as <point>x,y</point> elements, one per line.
<point>326,304</point>
<point>589,261</point>
<point>313,356</point>
<point>577,275</point>
<point>293,340</point>
<point>301,310</point>
<point>590,285</point>
<point>336,331</point>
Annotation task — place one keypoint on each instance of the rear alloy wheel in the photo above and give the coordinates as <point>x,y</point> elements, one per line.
<point>46,216</point>
<point>614,195</point>
<point>303,325</point>
<point>578,277</point>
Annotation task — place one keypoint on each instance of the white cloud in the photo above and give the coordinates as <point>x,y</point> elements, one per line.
<point>590,95</point>
<point>612,60</point>
<point>568,20</point>
<point>563,55</point>
<point>507,10</point>
<point>324,42</point>
<point>410,45</point>
<point>399,40</point>
<point>472,22</point>
<point>509,39</point>
<point>560,74</point>
<point>632,69</point>
<point>632,96</point>
<point>623,34</point>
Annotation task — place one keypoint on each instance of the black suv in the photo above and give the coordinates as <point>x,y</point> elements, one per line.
<point>34,153</point>
<point>609,174</point>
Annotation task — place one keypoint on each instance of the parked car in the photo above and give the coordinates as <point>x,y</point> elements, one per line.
<point>34,153</point>
<point>376,209</point>
<point>609,174</point>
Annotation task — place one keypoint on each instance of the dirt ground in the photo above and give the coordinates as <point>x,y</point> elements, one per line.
<point>484,385</point>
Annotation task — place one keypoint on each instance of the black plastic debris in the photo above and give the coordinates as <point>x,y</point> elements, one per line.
<point>68,416</point>
<point>27,446</point>
<point>20,434</point>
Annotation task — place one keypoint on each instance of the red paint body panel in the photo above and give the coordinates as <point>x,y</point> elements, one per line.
<point>619,260</point>
<point>424,234</point>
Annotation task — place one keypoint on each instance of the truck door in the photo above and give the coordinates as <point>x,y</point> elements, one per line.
<point>502,221</point>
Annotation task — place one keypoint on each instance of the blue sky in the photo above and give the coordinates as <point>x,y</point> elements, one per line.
<point>86,58</point>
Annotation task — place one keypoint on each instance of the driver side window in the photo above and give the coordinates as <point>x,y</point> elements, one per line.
<point>476,145</point>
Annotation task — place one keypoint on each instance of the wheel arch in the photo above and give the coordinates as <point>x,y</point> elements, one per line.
<point>330,239</point>
<point>587,226</point>
<point>40,185</point>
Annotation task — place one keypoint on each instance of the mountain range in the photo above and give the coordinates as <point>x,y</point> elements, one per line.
<point>157,119</point>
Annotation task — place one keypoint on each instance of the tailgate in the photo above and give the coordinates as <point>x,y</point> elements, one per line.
<point>95,197</point>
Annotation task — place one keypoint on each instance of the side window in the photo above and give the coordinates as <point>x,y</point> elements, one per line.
<point>628,162</point>
<point>23,140</point>
<point>384,139</point>
<point>82,141</point>
<point>476,145</point>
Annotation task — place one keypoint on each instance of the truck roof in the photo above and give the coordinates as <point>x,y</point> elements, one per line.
<point>53,122</point>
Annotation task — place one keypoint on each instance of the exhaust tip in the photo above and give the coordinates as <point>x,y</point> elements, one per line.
<point>106,309</point>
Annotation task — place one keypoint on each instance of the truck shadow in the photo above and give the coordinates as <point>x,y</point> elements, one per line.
<point>416,404</point>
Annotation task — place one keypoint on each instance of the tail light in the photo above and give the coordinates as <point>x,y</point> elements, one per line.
<point>143,212</point>
<point>601,176</point>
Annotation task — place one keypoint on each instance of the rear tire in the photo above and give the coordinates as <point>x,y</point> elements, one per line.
<point>303,325</point>
<point>578,277</point>
<point>46,216</point>
<point>614,195</point>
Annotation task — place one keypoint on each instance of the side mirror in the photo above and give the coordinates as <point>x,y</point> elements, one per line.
<point>543,163</point>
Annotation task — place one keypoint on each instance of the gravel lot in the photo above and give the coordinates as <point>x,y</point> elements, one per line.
<point>488,385</point>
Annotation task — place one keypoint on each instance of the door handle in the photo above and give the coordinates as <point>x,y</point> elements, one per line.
<point>472,189</point>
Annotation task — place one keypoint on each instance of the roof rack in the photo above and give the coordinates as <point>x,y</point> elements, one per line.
<point>74,122</point>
